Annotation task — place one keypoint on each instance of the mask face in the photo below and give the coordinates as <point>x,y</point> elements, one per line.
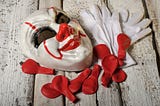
<point>55,41</point>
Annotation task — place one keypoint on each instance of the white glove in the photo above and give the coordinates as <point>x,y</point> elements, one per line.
<point>100,18</point>
<point>134,25</point>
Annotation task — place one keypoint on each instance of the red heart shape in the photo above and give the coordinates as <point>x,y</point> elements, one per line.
<point>49,92</point>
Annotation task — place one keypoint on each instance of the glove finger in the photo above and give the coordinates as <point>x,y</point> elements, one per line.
<point>140,35</point>
<point>134,19</point>
<point>87,20</point>
<point>144,23</point>
<point>124,15</point>
<point>93,28</point>
<point>116,24</point>
<point>105,12</point>
<point>96,13</point>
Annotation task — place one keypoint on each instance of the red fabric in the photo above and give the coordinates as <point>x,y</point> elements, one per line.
<point>110,63</point>
<point>90,85</point>
<point>32,67</point>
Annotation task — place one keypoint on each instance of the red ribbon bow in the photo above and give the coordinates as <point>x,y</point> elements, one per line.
<point>112,64</point>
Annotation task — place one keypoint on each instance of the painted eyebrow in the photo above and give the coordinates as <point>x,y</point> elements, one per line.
<point>32,26</point>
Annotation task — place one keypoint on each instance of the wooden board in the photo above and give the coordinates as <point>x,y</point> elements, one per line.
<point>40,80</point>
<point>16,88</point>
<point>154,14</point>
<point>104,97</point>
<point>142,87</point>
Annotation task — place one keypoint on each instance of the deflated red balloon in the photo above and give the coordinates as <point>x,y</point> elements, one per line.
<point>49,92</point>
<point>101,51</point>
<point>123,44</point>
<point>119,76</point>
<point>90,85</point>
<point>32,67</point>
<point>76,83</point>
<point>60,83</point>
<point>110,64</point>
<point>123,41</point>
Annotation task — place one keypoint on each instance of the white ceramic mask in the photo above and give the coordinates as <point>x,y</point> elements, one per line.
<point>55,41</point>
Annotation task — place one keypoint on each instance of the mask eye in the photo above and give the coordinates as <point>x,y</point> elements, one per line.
<point>61,18</point>
<point>43,34</point>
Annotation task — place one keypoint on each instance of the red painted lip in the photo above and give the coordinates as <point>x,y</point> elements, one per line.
<point>70,45</point>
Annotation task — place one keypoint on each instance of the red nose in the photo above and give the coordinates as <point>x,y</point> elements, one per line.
<point>63,32</point>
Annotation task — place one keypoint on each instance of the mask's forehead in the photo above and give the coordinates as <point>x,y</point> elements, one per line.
<point>56,14</point>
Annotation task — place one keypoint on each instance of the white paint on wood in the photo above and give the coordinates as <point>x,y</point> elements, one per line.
<point>73,7</point>
<point>154,14</point>
<point>41,100</point>
<point>104,96</point>
<point>40,80</point>
<point>84,100</point>
<point>50,3</point>
<point>109,96</point>
<point>142,87</point>
<point>16,88</point>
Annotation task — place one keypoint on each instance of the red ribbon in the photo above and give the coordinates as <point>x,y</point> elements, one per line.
<point>112,64</point>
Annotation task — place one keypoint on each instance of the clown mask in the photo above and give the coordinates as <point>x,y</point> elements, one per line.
<point>55,41</point>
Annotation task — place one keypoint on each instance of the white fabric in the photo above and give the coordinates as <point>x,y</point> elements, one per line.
<point>104,27</point>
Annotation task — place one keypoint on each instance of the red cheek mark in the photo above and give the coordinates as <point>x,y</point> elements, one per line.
<point>32,26</point>
<point>47,50</point>
<point>70,45</point>
<point>83,35</point>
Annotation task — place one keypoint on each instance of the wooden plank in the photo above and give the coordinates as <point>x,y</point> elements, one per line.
<point>50,3</point>
<point>73,7</point>
<point>142,87</point>
<point>84,100</point>
<point>40,80</point>
<point>154,14</point>
<point>16,88</point>
<point>104,97</point>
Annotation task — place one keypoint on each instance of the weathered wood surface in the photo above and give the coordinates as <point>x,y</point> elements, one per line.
<point>40,80</point>
<point>104,97</point>
<point>142,87</point>
<point>16,88</point>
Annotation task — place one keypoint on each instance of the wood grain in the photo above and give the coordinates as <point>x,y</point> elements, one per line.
<point>73,7</point>
<point>154,14</point>
<point>104,96</point>
<point>40,80</point>
<point>16,88</point>
<point>142,87</point>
